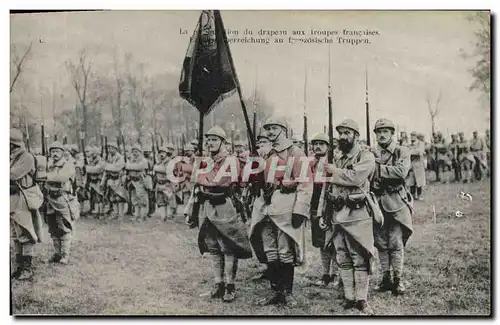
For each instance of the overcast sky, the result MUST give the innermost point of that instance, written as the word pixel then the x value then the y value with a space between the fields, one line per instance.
pixel 415 53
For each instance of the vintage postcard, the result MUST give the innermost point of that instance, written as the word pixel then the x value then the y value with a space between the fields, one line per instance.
pixel 250 163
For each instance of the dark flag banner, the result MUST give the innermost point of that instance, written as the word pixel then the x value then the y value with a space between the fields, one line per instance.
pixel 207 76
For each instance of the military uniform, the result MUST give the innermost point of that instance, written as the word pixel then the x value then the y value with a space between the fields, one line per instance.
pixel 443 159
pixel 222 233
pixel 478 149
pixel 416 176
pixel 62 207
pixel 25 199
pixel 454 148
pixel 351 232
pixel 95 170
pixel 165 190
pixel 138 183
pixel 277 219
pixel 393 165
pixel 328 256
pixel 466 159
pixel 112 182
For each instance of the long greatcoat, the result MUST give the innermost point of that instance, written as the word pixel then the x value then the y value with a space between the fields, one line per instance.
pixel 22 169
pixel 283 205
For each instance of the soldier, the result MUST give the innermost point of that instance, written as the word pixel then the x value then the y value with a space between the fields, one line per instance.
pixel 278 215
pixel 264 145
pixel 165 190
pixel 137 183
pixel 416 176
pixel 443 158
pixel 478 148
pixel 421 138
pixel 297 141
pixel 186 168
pixel 61 212
pixel 392 166
pixel 403 140
pixel 241 153
pixel 351 231
pixel 453 154
pixel 320 143
pixel 25 199
pixel 95 170
pixel 112 183
pixel 222 233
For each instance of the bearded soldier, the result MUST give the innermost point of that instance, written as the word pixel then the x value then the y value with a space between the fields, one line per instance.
pixel 329 265
pixel 279 213
pixel 61 213
pixel 351 232
pixel 112 182
pixel 137 184
pixel 95 170
pixel 393 163
pixel 416 176
pixel 222 233
pixel 165 189
pixel 25 199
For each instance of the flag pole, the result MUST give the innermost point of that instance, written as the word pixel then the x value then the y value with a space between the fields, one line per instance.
pixel 236 81
pixel 368 142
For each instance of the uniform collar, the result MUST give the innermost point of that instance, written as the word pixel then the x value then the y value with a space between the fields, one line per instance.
pixel 282 145
pixel 390 148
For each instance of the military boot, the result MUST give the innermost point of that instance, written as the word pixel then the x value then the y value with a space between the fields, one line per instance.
pixel 276 295
pixel 217 291
pixel 65 248
pixel 230 294
pixel 56 257
pixel 364 307
pixel 26 270
pixel 288 275
pixel 398 288
pixel 385 284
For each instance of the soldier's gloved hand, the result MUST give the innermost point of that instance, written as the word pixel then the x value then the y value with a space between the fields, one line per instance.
pixel 297 220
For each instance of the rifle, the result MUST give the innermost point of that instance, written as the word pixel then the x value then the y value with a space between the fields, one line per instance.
pixel 85 161
pixel 102 145
pixel 306 145
pixel 129 205
pixel 27 136
pixel 326 221
pixel 367 104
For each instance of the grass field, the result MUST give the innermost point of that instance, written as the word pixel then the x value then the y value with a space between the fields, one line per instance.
pixel 154 268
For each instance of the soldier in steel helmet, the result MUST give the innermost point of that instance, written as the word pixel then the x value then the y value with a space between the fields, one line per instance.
pixel 61 208
pixel 392 166
pixel 165 189
pixel 416 175
pixel 279 213
pixel 112 182
pixel 344 214
pixel 330 271
pixel 138 184
pixel 25 200
pixel 95 170
pixel 222 233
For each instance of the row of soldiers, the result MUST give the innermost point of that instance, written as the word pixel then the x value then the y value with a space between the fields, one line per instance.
pixel 360 206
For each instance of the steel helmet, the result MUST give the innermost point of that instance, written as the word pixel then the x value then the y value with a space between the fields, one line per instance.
pixel 321 137
pixel 239 143
pixel 297 138
pixel 136 147
pixel 350 124
pixel 273 120
pixel 56 145
pixel 113 144
pixel 384 123
pixel 218 132
pixel 189 147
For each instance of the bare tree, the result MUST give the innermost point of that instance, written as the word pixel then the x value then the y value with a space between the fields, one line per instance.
pixel 433 111
pixel 80 75
pixel 17 62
